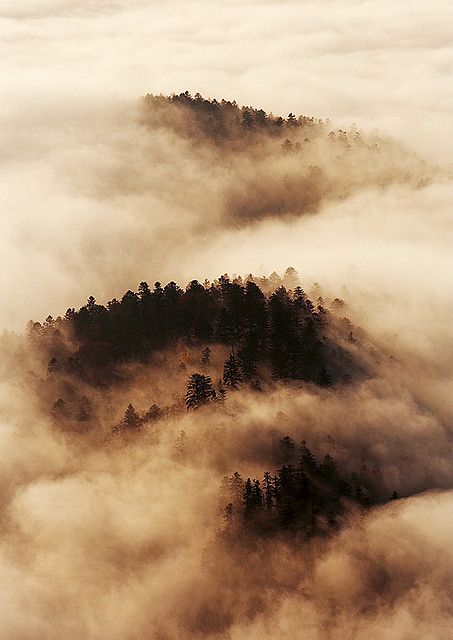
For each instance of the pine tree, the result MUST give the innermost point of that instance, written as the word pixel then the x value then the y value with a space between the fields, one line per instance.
pixel 131 418
pixel 329 469
pixel 221 392
pixel 269 490
pixel 85 409
pixel 247 356
pixel 206 356
pixel 248 499
pixel 153 413
pixel 228 516
pixel 287 146
pixel 288 448
pixel 199 391
pixel 232 374
pixel 247 119
pixel 236 488
pixel 307 459
pixel 180 446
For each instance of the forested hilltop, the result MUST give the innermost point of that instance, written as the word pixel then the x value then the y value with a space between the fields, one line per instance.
pixel 281 334
pixel 187 370
pixel 207 344
pixel 225 122
pixel 279 166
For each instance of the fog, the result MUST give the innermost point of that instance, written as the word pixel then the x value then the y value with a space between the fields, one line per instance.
pixel 110 536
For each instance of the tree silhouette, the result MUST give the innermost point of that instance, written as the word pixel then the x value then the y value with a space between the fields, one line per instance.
pixel 282 329
pixel 305 497
pixel 206 356
pixel 131 418
pixel 221 392
pixel 153 413
pixel 180 446
pixel 199 391
pixel 232 374
pixel 247 119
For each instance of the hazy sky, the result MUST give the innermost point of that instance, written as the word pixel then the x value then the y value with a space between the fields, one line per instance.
pixel 377 63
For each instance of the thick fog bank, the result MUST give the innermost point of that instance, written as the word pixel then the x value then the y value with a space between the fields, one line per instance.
pixel 111 535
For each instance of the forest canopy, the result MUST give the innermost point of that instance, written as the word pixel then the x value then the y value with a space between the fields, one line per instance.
pixel 279 166
pixel 281 332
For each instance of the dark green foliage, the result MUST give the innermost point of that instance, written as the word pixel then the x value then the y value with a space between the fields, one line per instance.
pixel 199 391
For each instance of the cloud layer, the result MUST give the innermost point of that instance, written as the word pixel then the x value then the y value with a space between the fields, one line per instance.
pixel 101 538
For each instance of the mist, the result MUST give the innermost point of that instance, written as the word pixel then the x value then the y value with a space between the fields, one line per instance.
pixel 106 532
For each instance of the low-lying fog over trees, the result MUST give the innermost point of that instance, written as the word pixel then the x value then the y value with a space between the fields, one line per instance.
pixel 226 347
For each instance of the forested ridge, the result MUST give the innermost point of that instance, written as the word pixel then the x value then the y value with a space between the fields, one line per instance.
pixel 233 333
pixel 283 331
pixel 304 496
pixel 210 341
pixel 274 166
pixel 226 364
pixel 224 121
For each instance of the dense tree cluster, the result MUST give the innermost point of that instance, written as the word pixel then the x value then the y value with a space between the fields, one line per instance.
pixel 277 166
pixel 303 496
pixel 222 121
pixel 282 331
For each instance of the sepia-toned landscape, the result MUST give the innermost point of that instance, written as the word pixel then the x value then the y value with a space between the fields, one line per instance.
pixel 226 348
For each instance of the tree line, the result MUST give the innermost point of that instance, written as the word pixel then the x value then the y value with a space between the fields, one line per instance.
pixel 282 330
pixel 221 121
pixel 304 496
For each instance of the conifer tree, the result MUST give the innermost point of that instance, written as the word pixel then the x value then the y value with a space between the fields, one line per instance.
pixel 180 446
pixel 307 459
pixel 153 413
pixel 228 516
pixel 288 448
pixel 131 418
pixel 268 490
pixel 206 356
pixel 232 374
pixel 199 391
pixel 221 392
